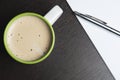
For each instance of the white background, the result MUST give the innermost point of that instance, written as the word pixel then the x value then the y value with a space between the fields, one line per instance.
pixel 107 43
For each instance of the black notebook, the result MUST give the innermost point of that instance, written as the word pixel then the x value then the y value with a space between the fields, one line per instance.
pixel 74 56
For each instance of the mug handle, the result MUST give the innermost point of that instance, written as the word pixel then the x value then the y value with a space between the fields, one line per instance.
pixel 54 14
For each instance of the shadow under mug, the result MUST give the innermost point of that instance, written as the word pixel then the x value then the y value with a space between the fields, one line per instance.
pixel 50 18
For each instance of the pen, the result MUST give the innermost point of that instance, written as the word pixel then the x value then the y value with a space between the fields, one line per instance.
pixel 98 22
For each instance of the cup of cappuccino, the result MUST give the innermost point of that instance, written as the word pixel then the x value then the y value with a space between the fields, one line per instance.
pixel 29 38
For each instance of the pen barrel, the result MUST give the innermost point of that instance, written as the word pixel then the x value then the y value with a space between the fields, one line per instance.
pixel 115 31
pixel 97 22
pixel 111 29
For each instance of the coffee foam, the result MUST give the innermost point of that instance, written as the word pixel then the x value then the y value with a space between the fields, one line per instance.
pixel 29 38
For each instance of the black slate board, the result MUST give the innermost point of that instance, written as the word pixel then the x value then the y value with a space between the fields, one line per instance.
pixel 74 56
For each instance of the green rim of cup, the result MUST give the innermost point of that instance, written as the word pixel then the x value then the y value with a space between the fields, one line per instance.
pixel 10 52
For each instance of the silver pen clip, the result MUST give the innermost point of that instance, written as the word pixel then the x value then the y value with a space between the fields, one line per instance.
pixel 91 17
pixel 95 19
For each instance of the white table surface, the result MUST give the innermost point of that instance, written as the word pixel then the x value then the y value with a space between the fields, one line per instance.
pixel 107 43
